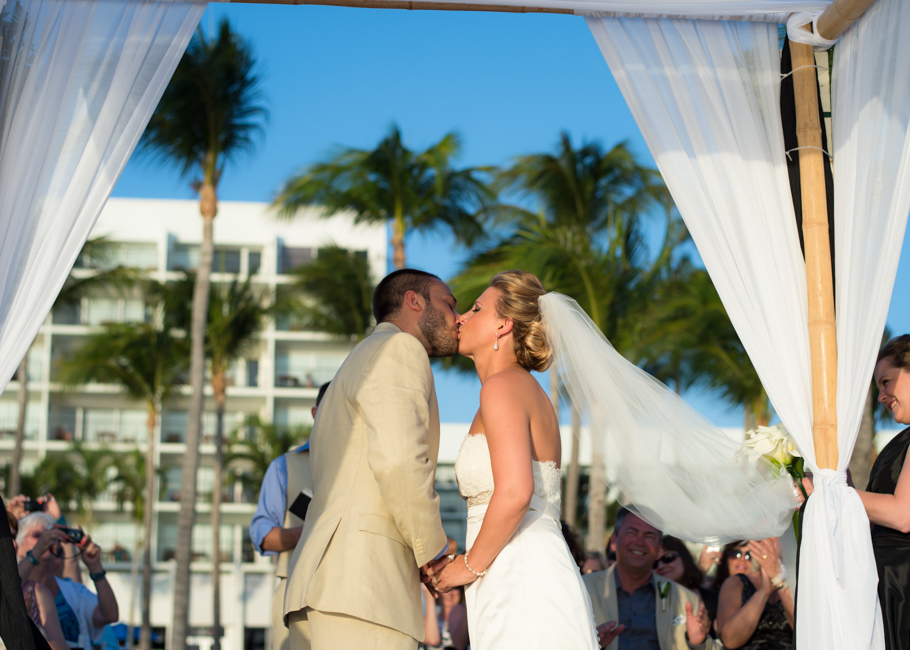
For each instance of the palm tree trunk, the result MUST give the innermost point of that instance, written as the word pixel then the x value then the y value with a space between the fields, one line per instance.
pixel 185 519
pixel 145 636
pixel 571 514
pixel 398 227
pixel 15 476
pixel 218 386
pixel 861 460
pixel 597 504
pixel 134 582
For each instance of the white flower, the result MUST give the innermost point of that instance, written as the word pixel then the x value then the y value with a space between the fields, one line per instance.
pixel 772 444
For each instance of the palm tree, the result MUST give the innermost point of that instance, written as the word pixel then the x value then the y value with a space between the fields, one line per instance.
pixel 148 363
pixel 210 113
pixel 337 294
pixel 587 241
pixel 262 442
pixel 235 320
pixel 393 184
pixel 75 288
pixel 129 484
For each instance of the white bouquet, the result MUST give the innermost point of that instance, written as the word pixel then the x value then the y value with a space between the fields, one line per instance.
pixel 774 447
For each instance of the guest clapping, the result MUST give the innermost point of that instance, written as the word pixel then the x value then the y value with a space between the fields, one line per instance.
pixel 677 564
pixel 755 606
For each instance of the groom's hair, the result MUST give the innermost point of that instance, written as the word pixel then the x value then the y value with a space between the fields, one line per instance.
pixel 389 295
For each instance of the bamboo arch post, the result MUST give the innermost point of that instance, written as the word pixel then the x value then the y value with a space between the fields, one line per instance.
pixel 819 279
pixel 833 22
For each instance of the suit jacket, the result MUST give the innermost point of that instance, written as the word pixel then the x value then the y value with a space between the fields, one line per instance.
pixel 670 620
pixel 374 519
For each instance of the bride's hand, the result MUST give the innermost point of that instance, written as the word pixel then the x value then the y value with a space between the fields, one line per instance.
pixel 455 574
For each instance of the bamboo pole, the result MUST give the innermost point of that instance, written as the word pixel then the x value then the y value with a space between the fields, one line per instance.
pixel 820 283
pixel 839 15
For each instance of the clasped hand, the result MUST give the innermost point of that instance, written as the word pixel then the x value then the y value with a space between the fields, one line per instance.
pixel 446 573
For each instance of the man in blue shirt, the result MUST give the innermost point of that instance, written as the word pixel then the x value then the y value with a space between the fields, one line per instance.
pixel 636 609
pixel 277 524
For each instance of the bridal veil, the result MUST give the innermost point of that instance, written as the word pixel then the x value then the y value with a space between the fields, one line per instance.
pixel 677 468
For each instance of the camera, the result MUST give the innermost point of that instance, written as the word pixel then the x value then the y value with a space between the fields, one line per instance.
pixel 30 505
pixel 74 534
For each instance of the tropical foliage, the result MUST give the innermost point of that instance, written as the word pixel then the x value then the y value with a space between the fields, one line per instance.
pixel 332 294
pixel 148 364
pixel 410 190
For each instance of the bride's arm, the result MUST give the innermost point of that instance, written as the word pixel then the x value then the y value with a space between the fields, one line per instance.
pixel 504 414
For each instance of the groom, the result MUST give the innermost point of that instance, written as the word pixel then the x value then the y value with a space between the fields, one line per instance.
pixel 373 524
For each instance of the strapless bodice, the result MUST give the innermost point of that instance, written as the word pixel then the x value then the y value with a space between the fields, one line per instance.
pixel 474 474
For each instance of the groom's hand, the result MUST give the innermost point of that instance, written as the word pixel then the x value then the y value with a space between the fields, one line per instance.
pixel 431 569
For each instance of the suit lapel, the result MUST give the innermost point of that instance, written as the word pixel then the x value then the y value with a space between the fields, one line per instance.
pixel 611 598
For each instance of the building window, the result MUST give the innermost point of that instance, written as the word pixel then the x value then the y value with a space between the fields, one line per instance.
pixel 173 426
pixel 99 425
pixel 9 419
pixel 62 425
pixel 226 261
pixel 254 262
pixel 291 258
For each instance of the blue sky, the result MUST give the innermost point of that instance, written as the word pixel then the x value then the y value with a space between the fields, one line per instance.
pixel 508 83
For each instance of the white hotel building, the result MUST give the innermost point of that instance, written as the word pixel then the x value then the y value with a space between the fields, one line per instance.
pixel 278 381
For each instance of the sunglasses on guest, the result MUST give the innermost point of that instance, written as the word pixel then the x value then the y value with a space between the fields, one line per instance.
pixel 666 558
pixel 737 553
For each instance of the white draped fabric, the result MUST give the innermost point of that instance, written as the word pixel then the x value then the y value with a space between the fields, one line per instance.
pixel 78 84
pixel 705 96
pixel 871 128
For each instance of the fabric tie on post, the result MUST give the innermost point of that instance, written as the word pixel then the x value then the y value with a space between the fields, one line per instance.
pixel 837 570
pixel 796 32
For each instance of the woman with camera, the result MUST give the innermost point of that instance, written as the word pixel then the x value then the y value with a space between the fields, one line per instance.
pixel 82 614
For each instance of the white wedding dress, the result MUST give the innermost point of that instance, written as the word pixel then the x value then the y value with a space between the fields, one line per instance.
pixel 532 595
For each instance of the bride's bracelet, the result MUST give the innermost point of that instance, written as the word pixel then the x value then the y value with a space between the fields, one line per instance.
pixel 479 575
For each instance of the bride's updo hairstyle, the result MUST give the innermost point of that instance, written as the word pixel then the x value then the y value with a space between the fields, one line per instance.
pixel 520 291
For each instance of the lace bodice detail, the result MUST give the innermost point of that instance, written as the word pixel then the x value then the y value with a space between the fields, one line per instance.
pixel 474 474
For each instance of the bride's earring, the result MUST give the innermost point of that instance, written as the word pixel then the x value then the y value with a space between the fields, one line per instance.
pixel 496 344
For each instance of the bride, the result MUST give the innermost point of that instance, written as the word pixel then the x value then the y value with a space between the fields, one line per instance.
pixel 523 590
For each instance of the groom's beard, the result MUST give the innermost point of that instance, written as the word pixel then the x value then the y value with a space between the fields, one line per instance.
pixel 443 340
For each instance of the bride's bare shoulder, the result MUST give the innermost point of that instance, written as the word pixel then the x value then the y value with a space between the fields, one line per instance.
pixel 507 381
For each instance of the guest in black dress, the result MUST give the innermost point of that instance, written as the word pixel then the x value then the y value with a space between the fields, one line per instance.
pixel 887 498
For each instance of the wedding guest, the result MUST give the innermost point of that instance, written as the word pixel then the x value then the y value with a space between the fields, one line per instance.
pixel 636 605
pixel 20 506
pixel 575 547
pixel 755 606
pixel 432 636
pixel 81 613
pixel 39 603
pixel 887 497
pixel 676 564
pixel 453 620
pixel 277 523
pixel 610 549
pixel 594 561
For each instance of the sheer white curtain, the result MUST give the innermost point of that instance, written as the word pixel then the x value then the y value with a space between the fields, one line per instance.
pixel 705 96
pixel 78 83
pixel 871 125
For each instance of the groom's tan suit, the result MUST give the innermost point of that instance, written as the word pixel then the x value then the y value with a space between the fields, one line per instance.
pixel 374 519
